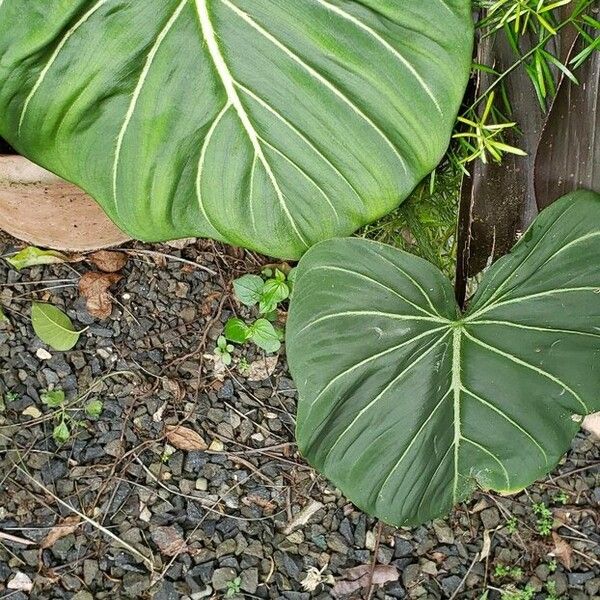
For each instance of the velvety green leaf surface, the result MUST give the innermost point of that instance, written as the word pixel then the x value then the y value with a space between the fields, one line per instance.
pixel 407 405
pixel 266 123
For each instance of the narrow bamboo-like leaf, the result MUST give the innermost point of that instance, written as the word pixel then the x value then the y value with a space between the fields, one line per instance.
pixel 271 125
pixel 568 155
pixel 53 326
pixel 407 405
pixel 498 199
pixel 32 256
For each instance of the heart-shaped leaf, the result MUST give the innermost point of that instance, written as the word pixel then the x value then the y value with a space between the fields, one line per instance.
pixel 407 405
pixel 270 125
pixel 53 326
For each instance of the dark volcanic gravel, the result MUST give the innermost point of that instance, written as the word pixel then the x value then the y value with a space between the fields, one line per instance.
pixel 246 518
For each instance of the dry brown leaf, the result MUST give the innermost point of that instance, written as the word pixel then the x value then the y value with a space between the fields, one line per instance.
pixel 303 517
pixel 360 578
pixel 182 243
pixel 592 424
pixel 487 545
pixel 169 541
pixel 94 288
pixel 207 307
pixel 268 506
pixel 562 551
pixel 184 438
pixel 262 369
pixel 63 529
pixel 107 261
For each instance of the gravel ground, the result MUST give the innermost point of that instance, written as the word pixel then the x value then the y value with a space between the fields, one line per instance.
pixel 120 511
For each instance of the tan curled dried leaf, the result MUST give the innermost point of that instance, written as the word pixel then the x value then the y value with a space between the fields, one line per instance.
pixel 303 517
pixel 262 369
pixel 169 541
pixel 94 287
pixel 63 529
pixel 109 261
pixel 184 438
pixel 562 551
pixel 360 578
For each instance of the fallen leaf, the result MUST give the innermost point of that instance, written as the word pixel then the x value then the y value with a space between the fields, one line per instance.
pixel 20 582
pixel 487 546
pixel 360 578
pixel 32 256
pixel 107 261
pixel 262 369
pixel 314 578
pixel 592 424
pixel 303 517
pixel 169 541
pixel 182 243
pixel 63 529
pixel 94 288
pixel 53 327
pixel 209 303
pixel 267 505
pixel 184 438
pixel 562 551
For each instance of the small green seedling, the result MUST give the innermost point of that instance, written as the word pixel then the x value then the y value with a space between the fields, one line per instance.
pixel 10 397
pixel 552 566
pixel 545 520
pixel 515 594
pixel 65 423
pixel 561 497
pixel 508 572
pixel 243 366
pixel 53 398
pixel 233 587
pixel 223 350
pixel 552 593
pixel 263 333
pixel 56 399
pixel 264 293
pixel 94 408
pixel 512 525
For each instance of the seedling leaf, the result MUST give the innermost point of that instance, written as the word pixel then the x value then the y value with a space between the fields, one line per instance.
pixel 237 331
pixel 265 336
pixel 248 289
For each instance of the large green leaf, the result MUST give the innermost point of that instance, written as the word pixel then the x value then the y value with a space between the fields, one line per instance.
pixel 407 405
pixel 270 124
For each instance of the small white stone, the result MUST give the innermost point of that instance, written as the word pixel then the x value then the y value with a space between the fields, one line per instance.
pixel 33 412
pixel 43 354
pixel 20 582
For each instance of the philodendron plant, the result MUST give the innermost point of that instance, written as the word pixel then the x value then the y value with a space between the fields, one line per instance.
pixel 267 124
pixel 409 405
